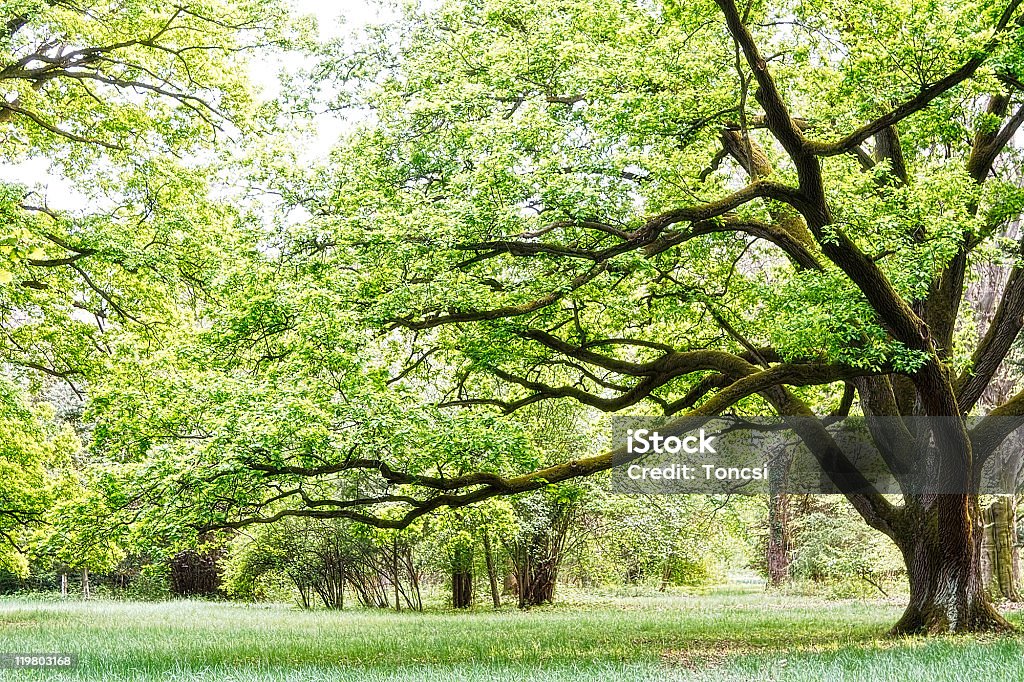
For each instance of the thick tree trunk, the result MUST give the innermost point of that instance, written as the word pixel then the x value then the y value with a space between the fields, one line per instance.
pixel 462 577
pixel 196 573
pixel 941 547
pixel 537 583
pixel 999 555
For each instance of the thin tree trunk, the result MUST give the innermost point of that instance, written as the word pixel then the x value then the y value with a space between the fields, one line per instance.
pixel 86 591
pixel 492 573
pixel 414 581
pixel 64 585
pixel 398 604
pixel 303 588
pixel 777 549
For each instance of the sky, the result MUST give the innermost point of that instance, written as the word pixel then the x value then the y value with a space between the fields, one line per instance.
pixel 330 15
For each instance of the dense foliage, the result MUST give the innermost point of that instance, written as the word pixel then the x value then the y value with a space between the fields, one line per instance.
pixel 539 214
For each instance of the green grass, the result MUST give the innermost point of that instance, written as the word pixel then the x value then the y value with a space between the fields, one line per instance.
pixel 723 635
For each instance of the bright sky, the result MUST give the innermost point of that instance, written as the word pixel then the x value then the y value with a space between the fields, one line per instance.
pixel 339 17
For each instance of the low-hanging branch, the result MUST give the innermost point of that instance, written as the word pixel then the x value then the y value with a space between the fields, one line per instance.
pixel 458 491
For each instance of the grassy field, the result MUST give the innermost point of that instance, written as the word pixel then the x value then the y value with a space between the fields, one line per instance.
pixel 723 635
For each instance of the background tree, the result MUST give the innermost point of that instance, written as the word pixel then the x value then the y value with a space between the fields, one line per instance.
pixel 833 548
pixel 465 540
pixel 76 537
pixel 33 451
pixel 671 541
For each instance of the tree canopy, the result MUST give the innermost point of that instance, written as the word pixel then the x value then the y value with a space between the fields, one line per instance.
pixel 542 212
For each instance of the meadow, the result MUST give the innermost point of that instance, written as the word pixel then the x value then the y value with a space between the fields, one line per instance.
pixel 733 634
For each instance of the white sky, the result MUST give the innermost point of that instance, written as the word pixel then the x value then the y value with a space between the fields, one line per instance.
pixel 332 15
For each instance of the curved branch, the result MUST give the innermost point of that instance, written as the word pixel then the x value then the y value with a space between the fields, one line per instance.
pixel 436 320
pixel 919 101
pixel 490 485
pixel 992 350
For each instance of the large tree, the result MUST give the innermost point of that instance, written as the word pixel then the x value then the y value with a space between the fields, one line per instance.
pixel 685 206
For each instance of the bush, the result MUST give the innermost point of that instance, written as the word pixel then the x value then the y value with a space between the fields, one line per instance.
pixel 833 547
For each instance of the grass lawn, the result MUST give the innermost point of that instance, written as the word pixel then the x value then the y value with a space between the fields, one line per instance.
pixel 722 635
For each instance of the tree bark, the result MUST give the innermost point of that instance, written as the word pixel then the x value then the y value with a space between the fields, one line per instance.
pixel 1000 560
pixel 777 549
pixel 492 573
pixel 536 580
pixel 462 589
pixel 396 576
pixel 462 576
pixel 196 573
pixel 86 590
pixel 940 542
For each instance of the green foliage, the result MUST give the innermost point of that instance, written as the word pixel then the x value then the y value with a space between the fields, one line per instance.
pixel 321 559
pixel 470 276
pixel 833 547
pixel 33 452
pixel 674 540
pixel 128 105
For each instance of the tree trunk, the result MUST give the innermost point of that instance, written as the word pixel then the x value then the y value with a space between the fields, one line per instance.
pixel 777 549
pixel 64 585
pixel 415 601
pixel 492 573
pixel 304 592
pixel 196 573
pixel 396 575
pixel 779 544
pixel 86 591
pixel 999 556
pixel 941 547
pixel 462 589
pixel 536 580
pixel 666 573
pixel 462 576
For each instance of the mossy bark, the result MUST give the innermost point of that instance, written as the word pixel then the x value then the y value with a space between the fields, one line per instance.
pixel 941 547
pixel 1000 558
